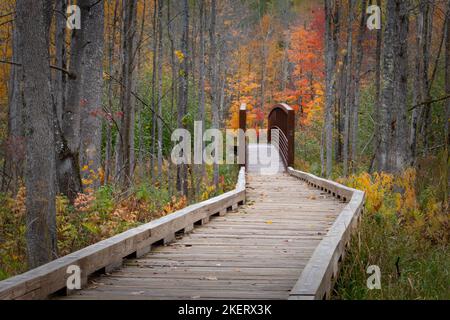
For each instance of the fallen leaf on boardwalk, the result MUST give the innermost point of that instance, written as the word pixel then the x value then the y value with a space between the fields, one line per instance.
pixel 210 278
pixel 313 198
pixel 269 222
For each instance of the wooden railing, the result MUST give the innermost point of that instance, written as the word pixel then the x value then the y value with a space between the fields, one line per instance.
pixel 104 256
pixel 318 277
pixel 280 141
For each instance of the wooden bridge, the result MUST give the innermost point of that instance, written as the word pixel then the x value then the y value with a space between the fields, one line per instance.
pixel 276 236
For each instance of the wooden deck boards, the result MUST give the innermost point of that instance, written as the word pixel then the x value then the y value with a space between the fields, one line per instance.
pixel 257 252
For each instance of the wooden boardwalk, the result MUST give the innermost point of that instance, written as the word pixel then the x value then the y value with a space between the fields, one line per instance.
pixel 280 234
pixel 256 252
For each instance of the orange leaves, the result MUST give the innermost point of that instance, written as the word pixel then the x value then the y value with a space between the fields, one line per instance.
pixel 306 54
pixel 261 64
pixel 253 114
pixel 266 24
pixel 175 205
pixel 83 202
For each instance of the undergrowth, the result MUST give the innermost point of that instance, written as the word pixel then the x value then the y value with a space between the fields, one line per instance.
pixel 405 231
pixel 94 216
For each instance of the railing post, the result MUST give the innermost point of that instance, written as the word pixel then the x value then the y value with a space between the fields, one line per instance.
pixel 242 153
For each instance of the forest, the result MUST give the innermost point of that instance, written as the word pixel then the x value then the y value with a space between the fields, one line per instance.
pixel 92 90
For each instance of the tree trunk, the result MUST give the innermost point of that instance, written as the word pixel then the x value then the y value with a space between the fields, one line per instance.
pixel 348 97
pixel 154 78
pixel 399 157
pixel 109 120
pixel 40 178
pixel 13 167
pixel 200 169
pixel 160 89
pixel 126 102
pixel 92 93
pixel 378 80
pixel 213 77
pixel 447 90
pixel 60 78
pixel 173 92
pixel 426 8
pixel 182 174
pixel 331 8
pixel 387 94
pixel 69 179
pixel 357 84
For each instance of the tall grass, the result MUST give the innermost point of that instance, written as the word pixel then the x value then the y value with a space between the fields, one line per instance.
pixel 405 231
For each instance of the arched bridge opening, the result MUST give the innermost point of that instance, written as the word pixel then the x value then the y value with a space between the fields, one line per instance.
pixel 281 122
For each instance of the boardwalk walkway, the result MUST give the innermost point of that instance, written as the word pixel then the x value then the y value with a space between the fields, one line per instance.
pixel 280 234
pixel 256 252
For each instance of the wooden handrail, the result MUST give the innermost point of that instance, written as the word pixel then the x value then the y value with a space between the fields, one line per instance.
pixel 317 279
pixel 282 146
pixel 42 282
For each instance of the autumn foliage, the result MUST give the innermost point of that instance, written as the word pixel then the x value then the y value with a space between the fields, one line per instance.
pixel 291 71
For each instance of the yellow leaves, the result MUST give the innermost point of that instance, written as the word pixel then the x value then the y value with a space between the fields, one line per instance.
pixel 376 187
pixel 396 197
pixel 180 55
pixel 208 192
pixel 91 176
pixel 270 222
pixel 87 182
